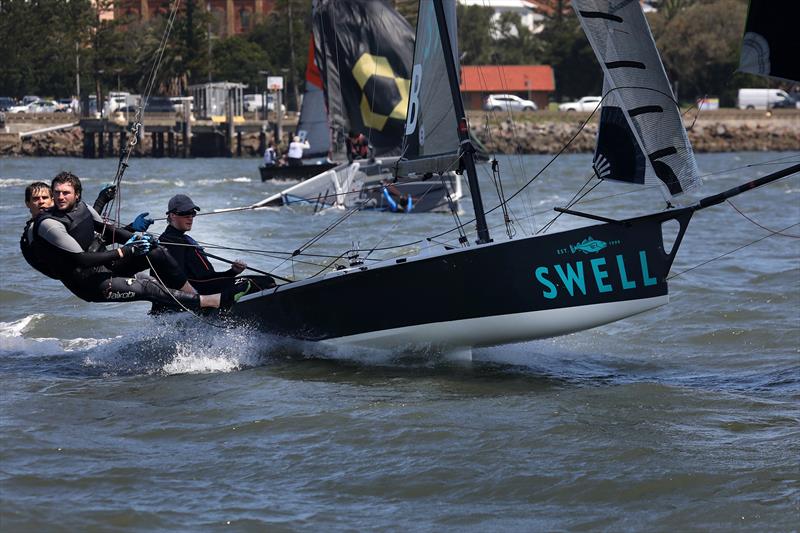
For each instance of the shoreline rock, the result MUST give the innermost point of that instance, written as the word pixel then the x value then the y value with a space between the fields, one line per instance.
pixel 503 137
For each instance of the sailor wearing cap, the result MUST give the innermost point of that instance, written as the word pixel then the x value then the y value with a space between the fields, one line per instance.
pixel 181 211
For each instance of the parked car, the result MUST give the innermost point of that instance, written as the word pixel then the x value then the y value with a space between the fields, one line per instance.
pixel 29 98
pixel 38 106
pixel 45 106
pixel 508 102
pixel 21 108
pixel 155 104
pixel 762 98
pixel 587 103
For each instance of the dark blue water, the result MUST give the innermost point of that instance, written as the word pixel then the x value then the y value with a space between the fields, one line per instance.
pixel 683 418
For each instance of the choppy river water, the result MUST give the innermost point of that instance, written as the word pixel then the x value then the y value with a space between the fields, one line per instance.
pixel 683 418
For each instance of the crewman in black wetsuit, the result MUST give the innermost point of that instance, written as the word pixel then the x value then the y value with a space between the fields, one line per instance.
pixel 68 243
pixel 193 261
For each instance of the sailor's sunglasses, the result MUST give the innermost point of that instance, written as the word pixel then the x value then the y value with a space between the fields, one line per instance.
pixel 191 213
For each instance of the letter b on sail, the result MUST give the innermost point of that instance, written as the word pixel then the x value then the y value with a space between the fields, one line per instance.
pixel 413 103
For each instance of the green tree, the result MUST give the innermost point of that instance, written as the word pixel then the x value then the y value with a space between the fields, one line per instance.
pixel 700 48
pixel 574 64
pixel 474 34
pixel 274 38
pixel 237 59
pixel 38 45
pixel 516 44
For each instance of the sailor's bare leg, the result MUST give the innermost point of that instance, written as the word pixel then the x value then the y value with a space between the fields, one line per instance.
pixel 209 300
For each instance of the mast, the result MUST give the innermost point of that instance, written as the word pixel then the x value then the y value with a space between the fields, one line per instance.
pixel 467 149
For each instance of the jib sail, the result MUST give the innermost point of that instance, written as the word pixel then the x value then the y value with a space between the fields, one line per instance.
pixel 431 139
pixel 642 106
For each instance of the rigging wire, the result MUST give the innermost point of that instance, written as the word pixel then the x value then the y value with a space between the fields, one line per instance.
pixel 574 200
pixel 772 233
pixel 761 226
pixel 125 154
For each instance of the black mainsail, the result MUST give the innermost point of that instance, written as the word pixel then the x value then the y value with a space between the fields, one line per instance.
pixel 364 49
pixel 769 46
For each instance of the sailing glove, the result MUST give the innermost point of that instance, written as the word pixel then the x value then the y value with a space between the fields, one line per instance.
pixel 137 245
pixel 108 192
pixel 141 222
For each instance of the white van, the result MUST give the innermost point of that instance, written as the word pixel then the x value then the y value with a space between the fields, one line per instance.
pixel 761 98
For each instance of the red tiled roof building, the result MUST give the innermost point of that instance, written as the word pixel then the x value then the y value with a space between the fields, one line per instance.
pixel 533 82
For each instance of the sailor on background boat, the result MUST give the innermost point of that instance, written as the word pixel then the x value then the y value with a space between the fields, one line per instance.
pixel 270 156
pixel 67 242
pixel 295 153
pixel 357 146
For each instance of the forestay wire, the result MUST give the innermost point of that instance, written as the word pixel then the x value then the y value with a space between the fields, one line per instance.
pixel 136 127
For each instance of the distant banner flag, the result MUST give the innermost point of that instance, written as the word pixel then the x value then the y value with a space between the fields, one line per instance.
pixel 364 49
pixel 769 46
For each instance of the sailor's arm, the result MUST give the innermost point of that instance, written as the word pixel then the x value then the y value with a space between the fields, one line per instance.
pixel 56 234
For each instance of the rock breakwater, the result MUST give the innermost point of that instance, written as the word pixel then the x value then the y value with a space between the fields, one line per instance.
pixel 508 137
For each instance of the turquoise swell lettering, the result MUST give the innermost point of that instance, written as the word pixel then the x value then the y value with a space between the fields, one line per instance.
pixel 623 275
pixel 645 271
pixel 551 291
pixel 600 275
pixel 571 278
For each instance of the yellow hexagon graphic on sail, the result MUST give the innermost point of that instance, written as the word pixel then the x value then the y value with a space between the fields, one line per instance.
pixel 377 69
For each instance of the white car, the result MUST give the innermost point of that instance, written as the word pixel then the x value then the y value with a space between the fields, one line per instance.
pixel 46 106
pixel 39 106
pixel 587 103
pixel 508 102
pixel 23 108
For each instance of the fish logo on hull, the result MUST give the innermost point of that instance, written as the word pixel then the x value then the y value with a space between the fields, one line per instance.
pixel 588 246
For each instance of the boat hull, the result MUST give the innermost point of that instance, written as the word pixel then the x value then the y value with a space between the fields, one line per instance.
pixel 492 294
pixel 300 172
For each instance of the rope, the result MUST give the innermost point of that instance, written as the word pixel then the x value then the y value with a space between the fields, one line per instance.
pixel 779 232
pixel 202 319
pixel 577 197
pixel 760 226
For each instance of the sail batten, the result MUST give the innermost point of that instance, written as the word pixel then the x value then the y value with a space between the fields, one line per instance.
pixel 626 64
pixel 643 110
pixel 636 111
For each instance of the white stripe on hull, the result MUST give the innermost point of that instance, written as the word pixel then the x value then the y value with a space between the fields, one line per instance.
pixel 502 329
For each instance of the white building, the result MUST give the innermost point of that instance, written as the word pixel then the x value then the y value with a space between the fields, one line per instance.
pixel 526 10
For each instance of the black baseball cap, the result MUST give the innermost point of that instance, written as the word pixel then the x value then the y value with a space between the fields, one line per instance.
pixel 180 203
